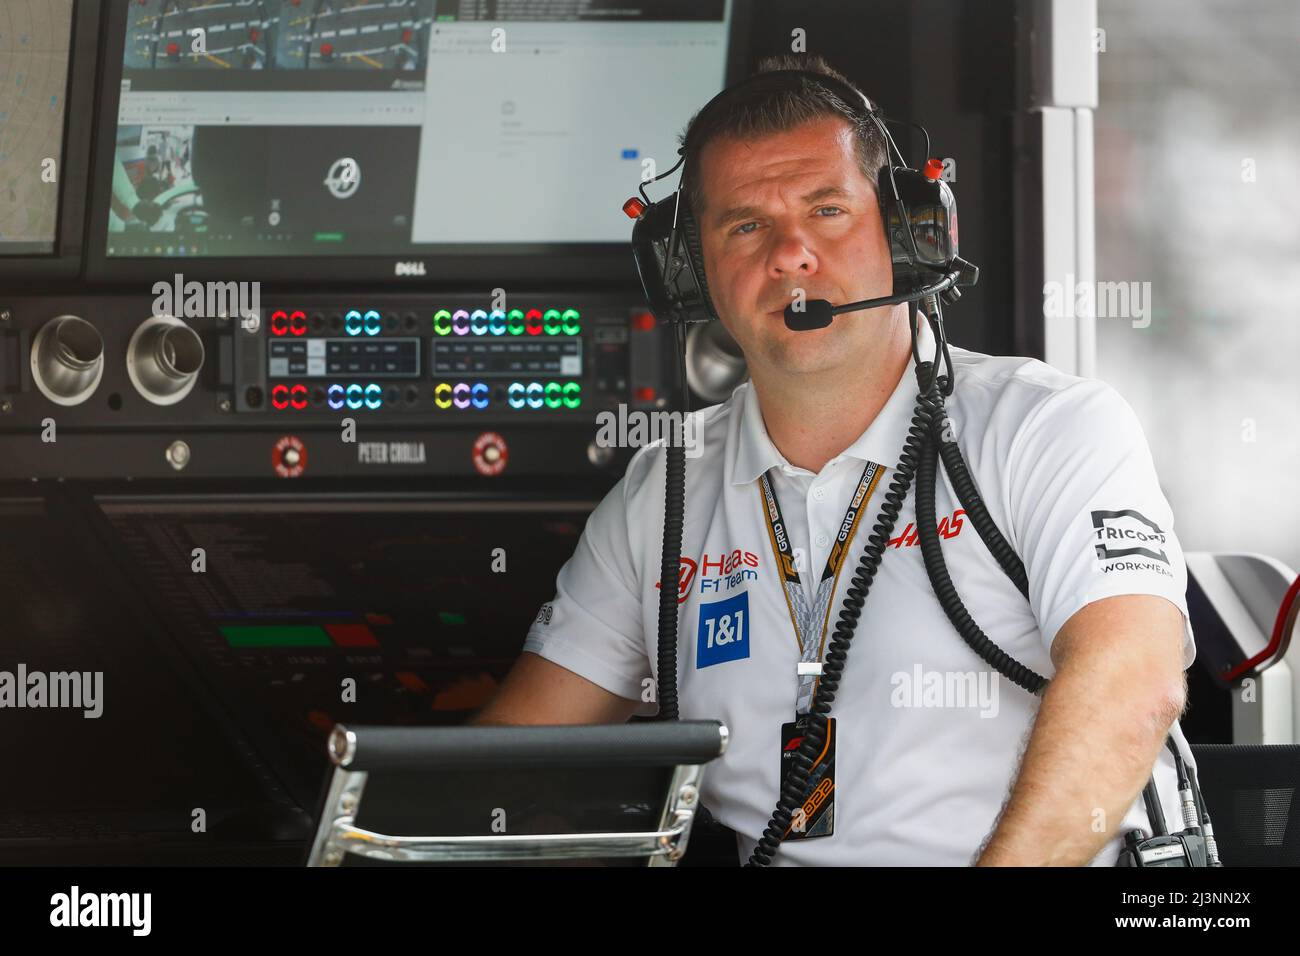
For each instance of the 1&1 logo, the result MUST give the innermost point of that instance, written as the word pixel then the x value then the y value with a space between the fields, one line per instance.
pixel 723 634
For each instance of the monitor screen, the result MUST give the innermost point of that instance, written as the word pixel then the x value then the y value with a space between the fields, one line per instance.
pixel 398 127
pixel 35 36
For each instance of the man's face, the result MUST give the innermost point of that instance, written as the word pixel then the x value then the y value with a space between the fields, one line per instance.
pixel 793 211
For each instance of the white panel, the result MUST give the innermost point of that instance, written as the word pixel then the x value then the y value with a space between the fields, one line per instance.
pixel 1060 348
pixel 1268 717
pixel 1073 67
pixel 1085 241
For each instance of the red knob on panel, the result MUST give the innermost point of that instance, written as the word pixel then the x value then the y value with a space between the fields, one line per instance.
pixel 933 170
pixel 634 207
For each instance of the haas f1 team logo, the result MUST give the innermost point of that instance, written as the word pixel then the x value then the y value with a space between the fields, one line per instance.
pixel 718 573
pixel 948 527
pixel 685 575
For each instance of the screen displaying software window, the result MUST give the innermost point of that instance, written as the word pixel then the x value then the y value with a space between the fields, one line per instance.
pixel 327 127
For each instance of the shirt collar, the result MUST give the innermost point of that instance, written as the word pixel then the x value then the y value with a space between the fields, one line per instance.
pixel 882 442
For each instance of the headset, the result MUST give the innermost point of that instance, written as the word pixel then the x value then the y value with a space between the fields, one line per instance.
pixel 919 214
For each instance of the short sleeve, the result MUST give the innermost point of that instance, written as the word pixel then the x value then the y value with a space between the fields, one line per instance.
pixel 1090 519
pixel 593 625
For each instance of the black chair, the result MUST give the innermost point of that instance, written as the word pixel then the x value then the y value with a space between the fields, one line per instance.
pixel 1252 792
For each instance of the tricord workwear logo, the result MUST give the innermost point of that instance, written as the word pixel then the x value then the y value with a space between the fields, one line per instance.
pixel 1127 534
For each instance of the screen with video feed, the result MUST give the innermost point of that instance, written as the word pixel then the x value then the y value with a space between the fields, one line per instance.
pixel 398 127
pixel 35 36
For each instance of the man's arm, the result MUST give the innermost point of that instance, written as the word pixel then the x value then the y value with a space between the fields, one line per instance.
pixel 537 691
pixel 1118 688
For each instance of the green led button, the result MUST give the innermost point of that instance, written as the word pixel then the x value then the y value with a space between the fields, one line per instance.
pixel 572 394
pixel 570 321
pixel 515 322
pixel 551 321
pixel 274 635
pixel 442 322
pixel 553 395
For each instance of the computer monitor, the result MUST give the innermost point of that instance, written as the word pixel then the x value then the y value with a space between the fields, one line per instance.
pixel 42 156
pixel 395 138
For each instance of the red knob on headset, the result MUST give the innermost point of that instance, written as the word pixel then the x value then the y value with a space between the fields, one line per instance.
pixel 933 170
pixel 634 207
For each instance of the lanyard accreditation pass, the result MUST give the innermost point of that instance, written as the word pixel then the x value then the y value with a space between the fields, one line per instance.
pixel 816 816
pixel 810 620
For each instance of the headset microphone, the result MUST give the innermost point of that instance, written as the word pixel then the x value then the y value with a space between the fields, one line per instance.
pixel 815 314
pixel 818 313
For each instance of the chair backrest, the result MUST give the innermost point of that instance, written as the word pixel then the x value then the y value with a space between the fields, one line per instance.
pixel 1252 793
pixel 446 795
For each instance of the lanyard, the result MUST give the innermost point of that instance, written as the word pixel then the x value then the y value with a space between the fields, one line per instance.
pixel 803 615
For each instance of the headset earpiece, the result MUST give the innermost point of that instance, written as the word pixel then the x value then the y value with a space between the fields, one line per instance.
pixel 671 266
pixel 690 229
pixel 921 224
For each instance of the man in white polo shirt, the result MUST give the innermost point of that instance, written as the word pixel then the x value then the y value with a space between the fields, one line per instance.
pixel 938 759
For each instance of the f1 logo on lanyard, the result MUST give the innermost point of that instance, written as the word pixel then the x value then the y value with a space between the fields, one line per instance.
pixel 816 816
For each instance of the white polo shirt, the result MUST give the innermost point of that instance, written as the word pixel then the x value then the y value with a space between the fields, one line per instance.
pixel 929 736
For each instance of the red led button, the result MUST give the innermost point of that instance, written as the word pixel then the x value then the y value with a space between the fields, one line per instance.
pixel 489 454
pixel 933 170
pixel 643 321
pixel 289 456
pixel 645 393
pixel 634 207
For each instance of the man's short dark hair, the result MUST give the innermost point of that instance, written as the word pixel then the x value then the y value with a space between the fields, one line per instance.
pixel 776 111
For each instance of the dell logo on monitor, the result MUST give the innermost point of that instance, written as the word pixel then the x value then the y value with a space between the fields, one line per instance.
pixel 414 268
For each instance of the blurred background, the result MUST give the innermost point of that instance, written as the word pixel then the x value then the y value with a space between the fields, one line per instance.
pixel 1197 130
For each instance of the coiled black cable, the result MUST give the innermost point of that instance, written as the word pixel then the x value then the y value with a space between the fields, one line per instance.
pixel 919 459
pixel 671 555
pixel 921 452
pixel 796 781
pixel 669 573
pixel 937 569
pixel 955 465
